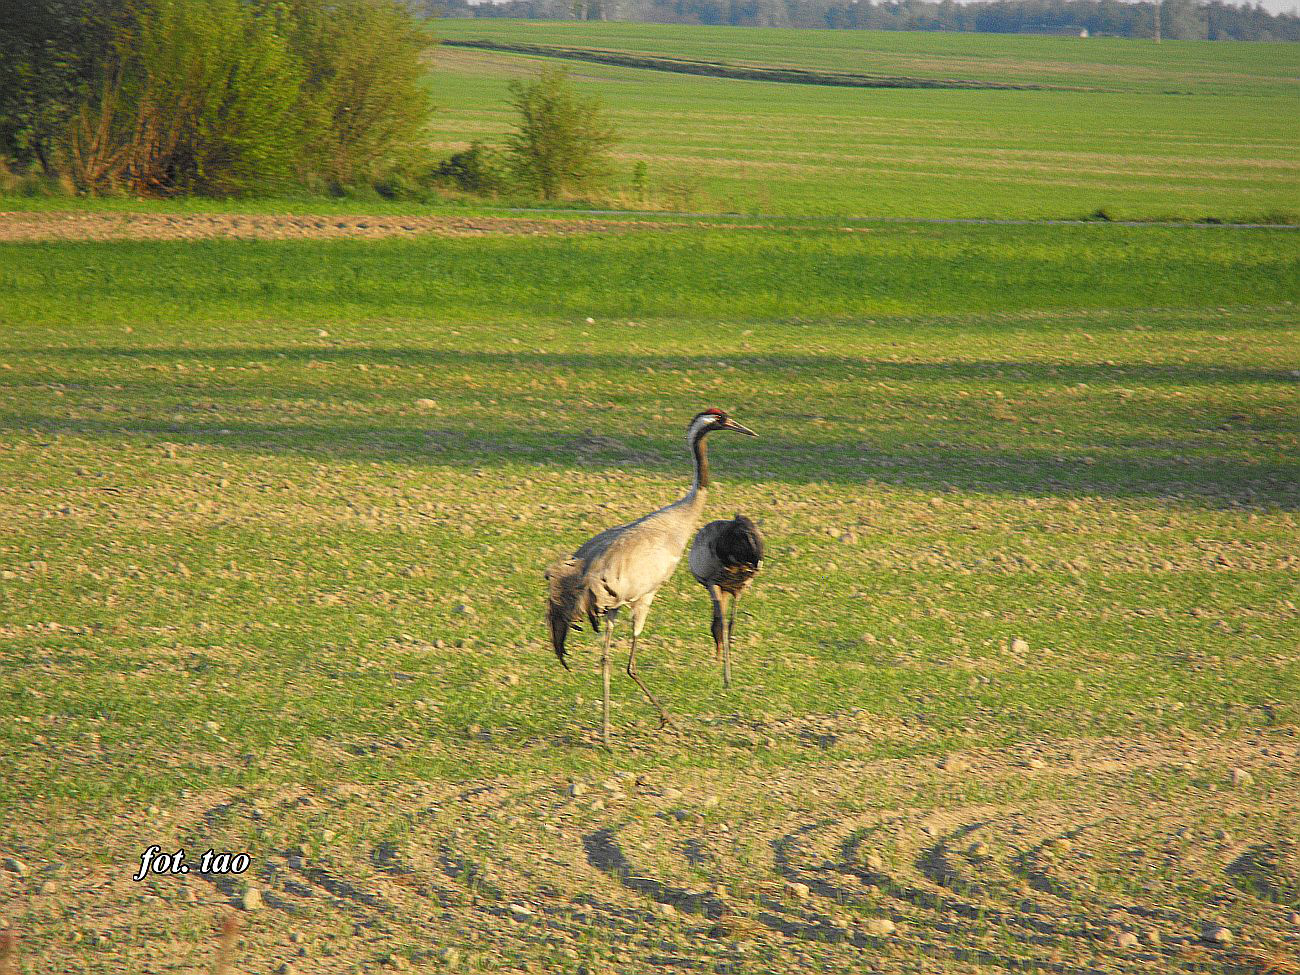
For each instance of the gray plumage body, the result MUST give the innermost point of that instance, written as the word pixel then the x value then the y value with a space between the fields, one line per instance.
pixel 628 565
pixel 623 566
pixel 725 557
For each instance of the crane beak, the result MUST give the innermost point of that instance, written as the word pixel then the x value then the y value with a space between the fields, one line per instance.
pixel 731 424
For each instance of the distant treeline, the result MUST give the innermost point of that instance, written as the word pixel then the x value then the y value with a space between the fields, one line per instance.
pixel 1181 19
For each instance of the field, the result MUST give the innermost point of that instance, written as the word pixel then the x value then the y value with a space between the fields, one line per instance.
pixel 1184 129
pixel 1016 690
pixel 1103 63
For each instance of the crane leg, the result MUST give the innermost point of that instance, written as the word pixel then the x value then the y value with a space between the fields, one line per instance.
pixel 726 652
pixel 719 626
pixel 604 674
pixel 664 719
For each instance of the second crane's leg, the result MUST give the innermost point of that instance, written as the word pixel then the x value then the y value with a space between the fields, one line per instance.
pixel 718 627
pixel 638 621
pixel 604 676
pixel 726 650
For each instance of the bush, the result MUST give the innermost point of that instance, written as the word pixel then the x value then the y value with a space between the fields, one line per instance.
pixel 365 98
pixel 478 169
pixel 212 92
pixel 563 141
pixel 33 183
pixel 50 52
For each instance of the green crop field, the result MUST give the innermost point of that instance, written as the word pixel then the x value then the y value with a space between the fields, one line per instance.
pixel 1181 130
pixel 1106 63
pixel 1016 690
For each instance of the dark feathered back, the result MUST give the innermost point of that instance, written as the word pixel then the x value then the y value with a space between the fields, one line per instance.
pixel 739 543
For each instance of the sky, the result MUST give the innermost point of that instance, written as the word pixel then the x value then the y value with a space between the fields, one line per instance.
pixel 1272 6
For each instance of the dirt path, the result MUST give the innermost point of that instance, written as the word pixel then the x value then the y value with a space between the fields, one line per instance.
pixel 17 226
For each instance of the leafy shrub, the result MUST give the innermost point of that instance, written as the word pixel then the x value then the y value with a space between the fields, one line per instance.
pixel 640 180
pixel 212 91
pixel 563 140
pixel 478 169
pixel 365 99
pixel 50 52
pixel 33 183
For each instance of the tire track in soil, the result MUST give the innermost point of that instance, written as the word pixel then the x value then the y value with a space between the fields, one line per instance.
pixel 936 864
pixel 1007 888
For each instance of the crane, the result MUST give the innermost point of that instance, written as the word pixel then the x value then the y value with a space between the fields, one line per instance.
pixel 725 557
pixel 627 566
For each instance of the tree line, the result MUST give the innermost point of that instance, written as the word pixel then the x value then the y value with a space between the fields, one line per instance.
pixel 166 97
pixel 1181 19
pixel 237 97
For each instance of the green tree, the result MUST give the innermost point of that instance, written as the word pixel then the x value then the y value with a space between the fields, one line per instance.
pixel 563 140
pixel 210 93
pixel 163 96
pixel 218 96
pixel 365 94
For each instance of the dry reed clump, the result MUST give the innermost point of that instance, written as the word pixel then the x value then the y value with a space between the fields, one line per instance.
pixel 8 953
pixel 227 940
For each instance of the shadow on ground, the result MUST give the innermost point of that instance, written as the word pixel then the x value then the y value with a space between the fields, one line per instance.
pixel 848 428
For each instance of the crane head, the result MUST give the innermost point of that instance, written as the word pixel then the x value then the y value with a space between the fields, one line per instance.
pixel 716 419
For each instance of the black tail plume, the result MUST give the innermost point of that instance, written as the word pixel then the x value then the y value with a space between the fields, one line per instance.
pixel 563 603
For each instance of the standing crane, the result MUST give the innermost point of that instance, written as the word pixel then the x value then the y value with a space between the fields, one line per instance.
pixel 725 557
pixel 626 566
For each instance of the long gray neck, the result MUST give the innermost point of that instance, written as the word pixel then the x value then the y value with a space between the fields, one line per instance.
pixel 700 449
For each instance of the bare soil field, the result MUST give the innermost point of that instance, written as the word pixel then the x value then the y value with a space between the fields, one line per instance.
pixel 1047 858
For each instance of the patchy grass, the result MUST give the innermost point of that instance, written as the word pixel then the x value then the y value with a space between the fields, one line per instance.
pixel 273 527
